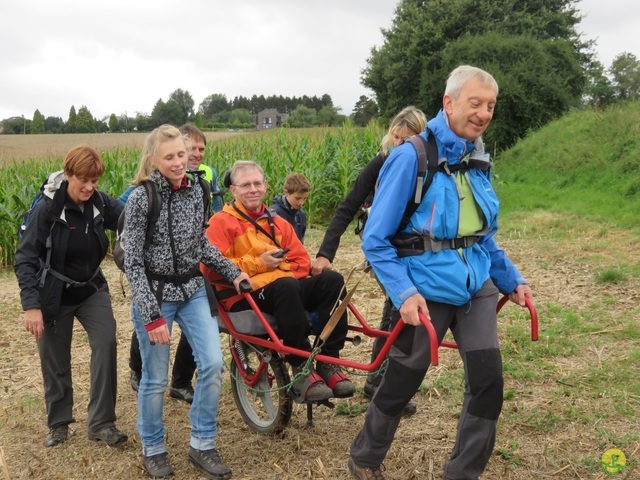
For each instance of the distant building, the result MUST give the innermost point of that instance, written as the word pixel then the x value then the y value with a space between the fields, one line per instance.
pixel 270 118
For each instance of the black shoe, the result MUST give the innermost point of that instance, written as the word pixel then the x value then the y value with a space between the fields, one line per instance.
pixel 410 408
pixel 184 394
pixel 57 435
pixel 158 466
pixel 369 389
pixel 109 435
pixel 135 381
pixel 210 462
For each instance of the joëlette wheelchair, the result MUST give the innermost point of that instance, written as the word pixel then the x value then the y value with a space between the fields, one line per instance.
pixel 260 379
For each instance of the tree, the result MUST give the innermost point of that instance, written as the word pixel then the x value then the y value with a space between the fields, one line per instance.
pixel 410 67
pixel 599 91
pixel 327 116
pixel 364 110
pixel 241 102
pixel 37 125
pixel 101 125
pixel 113 123
pixel 84 121
pixel 258 103
pixel 16 126
pixel 197 121
pixel 625 71
pixel 240 116
pixel 302 117
pixel 142 122
pixel 53 125
pixel 214 103
pixel 70 127
pixel 185 101
pixel 534 78
pixel 170 112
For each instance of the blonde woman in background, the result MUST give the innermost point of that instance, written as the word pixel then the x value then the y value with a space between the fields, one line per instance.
pixel 410 121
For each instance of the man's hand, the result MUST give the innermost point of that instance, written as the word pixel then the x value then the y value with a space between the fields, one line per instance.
pixel 33 322
pixel 410 308
pixel 319 264
pixel 270 261
pixel 520 293
pixel 160 335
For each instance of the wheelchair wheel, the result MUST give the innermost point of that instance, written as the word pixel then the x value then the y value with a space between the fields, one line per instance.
pixel 265 407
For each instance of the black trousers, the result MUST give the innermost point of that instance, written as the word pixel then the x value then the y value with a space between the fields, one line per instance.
pixel 96 317
pixel 287 299
pixel 184 365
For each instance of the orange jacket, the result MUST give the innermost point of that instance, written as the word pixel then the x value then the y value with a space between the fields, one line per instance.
pixel 242 243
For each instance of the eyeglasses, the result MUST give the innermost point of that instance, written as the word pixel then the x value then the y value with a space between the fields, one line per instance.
pixel 248 185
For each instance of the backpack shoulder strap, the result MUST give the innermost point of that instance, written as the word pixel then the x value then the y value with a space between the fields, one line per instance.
pixel 427 152
pixel 154 208
pixel 206 192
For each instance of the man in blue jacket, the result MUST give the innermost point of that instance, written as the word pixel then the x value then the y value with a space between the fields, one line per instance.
pixel 452 274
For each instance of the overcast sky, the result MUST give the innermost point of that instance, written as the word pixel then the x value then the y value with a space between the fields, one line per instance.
pixel 122 56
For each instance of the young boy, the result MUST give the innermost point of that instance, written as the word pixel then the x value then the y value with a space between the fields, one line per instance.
pixel 289 206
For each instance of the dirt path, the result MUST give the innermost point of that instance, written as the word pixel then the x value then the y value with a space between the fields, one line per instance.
pixel 562 274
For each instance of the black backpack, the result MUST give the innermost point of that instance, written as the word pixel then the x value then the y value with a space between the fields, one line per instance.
pixel 428 163
pixel 100 204
pixel 427 151
pixel 25 216
pixel 155 203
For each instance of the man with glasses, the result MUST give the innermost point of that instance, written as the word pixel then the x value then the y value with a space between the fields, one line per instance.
pixel 266 247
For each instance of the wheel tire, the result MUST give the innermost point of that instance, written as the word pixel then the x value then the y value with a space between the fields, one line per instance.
pixel 267 408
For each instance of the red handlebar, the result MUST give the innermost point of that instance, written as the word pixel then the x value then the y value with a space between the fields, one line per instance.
pixel 433 338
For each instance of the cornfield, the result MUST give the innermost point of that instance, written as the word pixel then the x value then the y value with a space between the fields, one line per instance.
pixel 330 158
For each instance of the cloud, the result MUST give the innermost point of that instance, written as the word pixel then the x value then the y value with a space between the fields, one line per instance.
pixel 122 56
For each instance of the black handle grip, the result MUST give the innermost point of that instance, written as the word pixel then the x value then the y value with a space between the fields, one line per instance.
pixel 245 286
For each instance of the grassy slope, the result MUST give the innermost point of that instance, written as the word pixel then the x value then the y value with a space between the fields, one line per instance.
pixel 584 164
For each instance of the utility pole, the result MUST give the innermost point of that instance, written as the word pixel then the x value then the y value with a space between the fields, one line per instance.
pixel 24 125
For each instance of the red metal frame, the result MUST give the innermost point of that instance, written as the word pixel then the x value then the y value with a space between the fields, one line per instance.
pixel 274 343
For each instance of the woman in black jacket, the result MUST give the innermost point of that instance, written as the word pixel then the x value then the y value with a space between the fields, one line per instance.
pixel 58 268
pixel 410 121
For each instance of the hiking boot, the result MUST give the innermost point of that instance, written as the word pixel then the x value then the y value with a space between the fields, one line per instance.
pixel 336 380
pixel 57 435
pixel 158 466
pixel 135 380
pixel 370 389
pixel 184 394
pixel 210 462
pixel 366 473
pixel 310 388
pixel 109 435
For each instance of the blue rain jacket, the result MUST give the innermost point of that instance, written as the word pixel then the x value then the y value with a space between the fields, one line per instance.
pixel 445 276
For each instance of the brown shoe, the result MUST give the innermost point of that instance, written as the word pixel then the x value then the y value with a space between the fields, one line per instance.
pixel 109 435
pixel 366 473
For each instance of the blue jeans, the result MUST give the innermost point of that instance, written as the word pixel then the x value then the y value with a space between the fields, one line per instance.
pixel 194 318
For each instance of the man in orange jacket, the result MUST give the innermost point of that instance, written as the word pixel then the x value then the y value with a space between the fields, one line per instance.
pixel 265 246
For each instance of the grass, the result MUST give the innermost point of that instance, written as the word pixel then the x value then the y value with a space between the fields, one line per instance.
pixel 583 165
